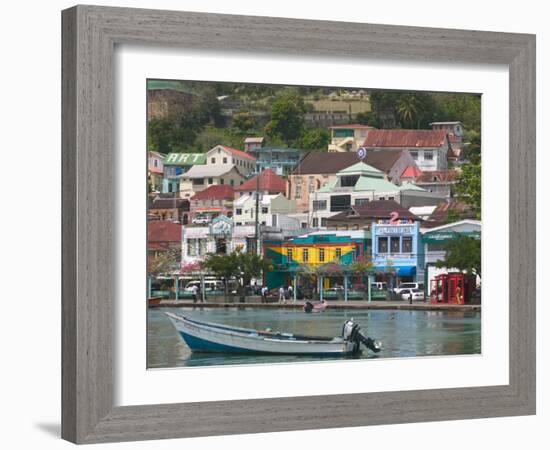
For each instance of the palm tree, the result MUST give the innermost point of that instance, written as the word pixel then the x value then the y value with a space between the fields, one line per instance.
pixel 408 109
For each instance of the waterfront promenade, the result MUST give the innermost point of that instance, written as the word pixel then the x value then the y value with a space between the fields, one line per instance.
pixel 253 302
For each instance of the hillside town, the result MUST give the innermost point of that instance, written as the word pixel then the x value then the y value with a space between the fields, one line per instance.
pixel 373 215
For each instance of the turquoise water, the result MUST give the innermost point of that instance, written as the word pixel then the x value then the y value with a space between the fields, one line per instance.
pixel 403 333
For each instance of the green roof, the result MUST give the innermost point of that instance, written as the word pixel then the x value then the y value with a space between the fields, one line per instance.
pixel 374 184
pixel 185 159
pixel 328 187
pixel 408 186
pixel 362 169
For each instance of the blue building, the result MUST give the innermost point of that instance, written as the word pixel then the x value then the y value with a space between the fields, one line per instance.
pixel 397 251
pixel 175 165
pixel 282 160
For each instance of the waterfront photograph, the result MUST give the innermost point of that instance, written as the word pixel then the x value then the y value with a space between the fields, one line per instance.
pixel 304 223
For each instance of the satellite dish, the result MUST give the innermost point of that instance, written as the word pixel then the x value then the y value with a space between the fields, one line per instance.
pixel 361 152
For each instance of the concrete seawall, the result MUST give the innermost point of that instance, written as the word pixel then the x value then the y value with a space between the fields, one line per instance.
pixel 335 304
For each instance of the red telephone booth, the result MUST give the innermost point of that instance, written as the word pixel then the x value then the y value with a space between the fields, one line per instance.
pixel 452 287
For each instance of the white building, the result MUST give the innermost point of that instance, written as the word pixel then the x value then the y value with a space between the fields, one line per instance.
pixel 198 178
pixel 428 148
pixel 270 210
pixel 225 156
pixel 434 241
pixel 358 185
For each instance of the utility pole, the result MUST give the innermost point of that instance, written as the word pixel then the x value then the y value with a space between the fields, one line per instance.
pixel 257 223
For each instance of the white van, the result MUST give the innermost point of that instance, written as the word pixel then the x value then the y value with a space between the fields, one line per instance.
pixel 379 285
pixel 209 286
pixel 403 286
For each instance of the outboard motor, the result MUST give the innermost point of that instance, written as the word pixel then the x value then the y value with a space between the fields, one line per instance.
pixel 352 332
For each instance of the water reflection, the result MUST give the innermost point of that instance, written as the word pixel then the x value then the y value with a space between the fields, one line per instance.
pixel 403 333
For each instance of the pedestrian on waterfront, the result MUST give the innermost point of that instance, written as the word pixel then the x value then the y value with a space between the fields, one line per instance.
pixel 195 290
pixel 282 294
pixel 290 291
pixel 410 297
pixel 264 294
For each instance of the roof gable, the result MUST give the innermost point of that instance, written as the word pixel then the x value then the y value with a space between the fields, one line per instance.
pixel 215 192
pixel 268 181
pixel 362 169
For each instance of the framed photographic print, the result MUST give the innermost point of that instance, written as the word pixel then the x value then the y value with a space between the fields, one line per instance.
pixel 265 229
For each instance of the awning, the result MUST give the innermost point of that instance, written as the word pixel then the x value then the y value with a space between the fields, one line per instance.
pixel 400 271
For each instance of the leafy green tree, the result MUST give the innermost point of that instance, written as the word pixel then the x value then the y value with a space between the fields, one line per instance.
pixel 170 134
pixel 314 139
pixel 238 264
pixel 223 266
pixel 251 265
pixel 244 122
pixel 287 117
pixel 464 253
pixel 468 182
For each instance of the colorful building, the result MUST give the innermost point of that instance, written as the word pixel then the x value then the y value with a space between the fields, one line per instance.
pixel 428 148
pixel 155 170
pixel 282 160
pixel 175 165
pixel 309 252
pixel 397 251
pixel 434 240
pixel 213 201
pixel 348 138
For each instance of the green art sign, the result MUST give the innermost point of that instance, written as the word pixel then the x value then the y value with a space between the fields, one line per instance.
pixel 185 159
pixel 442 236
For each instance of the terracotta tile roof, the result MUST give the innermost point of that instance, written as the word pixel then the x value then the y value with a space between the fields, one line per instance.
pixel 269 181
pixel 377 209
pixel 405 138
pixel 215 192
pixel 411 172
pixel 239 153
pixel 163 231
pixel 323 162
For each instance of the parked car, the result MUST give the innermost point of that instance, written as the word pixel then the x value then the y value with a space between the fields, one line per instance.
pixel 379 285
pixel 417 294
pixel 403 286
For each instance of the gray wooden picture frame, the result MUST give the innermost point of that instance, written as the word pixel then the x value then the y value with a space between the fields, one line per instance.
pixel 90 34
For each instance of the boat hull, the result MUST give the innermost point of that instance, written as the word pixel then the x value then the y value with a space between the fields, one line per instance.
pixel 206 337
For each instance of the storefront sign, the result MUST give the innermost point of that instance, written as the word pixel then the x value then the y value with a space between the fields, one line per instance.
pixel 396 230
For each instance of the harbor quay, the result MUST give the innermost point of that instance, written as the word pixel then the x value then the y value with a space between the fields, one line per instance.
pixel 252 302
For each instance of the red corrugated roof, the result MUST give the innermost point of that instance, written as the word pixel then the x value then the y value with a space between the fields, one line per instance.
pixel 411 172
pixel 215 192
pixel 269 181
pixel 163 231
pixel 239 153
pixel 405 138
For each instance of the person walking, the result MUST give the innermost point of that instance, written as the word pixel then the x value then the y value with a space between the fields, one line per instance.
pixel 282 295
pixel 195 291
pixel 264 294
pixel 290 291
pixel 410 297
